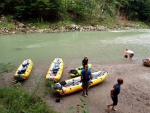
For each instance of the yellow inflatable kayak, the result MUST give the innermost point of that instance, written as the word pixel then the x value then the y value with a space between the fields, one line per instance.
pixel 75 84
pixel 55 70
pixel 23 70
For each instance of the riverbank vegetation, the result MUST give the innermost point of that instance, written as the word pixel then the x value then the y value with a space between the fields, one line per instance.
pixel 52 13
pixel 16 100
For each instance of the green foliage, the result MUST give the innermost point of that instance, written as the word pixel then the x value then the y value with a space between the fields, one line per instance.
pixel 75 10
pixel 50 85
pixel 40 25
pixel 136 9
pixel 79 108
pixel 24 30
pixel 10 26
pixel 7 22
pixel 16 100
pixel 144 12
pixel 5 68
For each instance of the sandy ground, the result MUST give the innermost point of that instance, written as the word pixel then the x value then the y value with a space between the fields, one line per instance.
pixel 134 96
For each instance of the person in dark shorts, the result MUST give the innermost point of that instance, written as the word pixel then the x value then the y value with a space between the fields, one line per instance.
pixel 128 53
pixel 114 93
pixel 85 61
pixel 85 78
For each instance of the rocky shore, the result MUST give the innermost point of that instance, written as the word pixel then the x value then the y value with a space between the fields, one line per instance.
pixel 16 27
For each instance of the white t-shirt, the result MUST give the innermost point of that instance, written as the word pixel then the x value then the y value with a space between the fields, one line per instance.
pixel 130 52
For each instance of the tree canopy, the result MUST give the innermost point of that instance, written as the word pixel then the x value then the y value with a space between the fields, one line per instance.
pixel 76 10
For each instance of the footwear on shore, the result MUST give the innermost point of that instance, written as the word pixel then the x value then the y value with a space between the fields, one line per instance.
pixel 85 95
pixel 114 109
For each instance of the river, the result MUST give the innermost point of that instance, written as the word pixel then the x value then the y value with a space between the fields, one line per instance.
pixel 105 50
pixel 99 46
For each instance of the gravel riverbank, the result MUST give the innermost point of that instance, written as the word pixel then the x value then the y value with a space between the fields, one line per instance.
pixel 134 96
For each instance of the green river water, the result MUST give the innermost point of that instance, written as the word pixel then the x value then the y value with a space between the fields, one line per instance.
pixel 99 46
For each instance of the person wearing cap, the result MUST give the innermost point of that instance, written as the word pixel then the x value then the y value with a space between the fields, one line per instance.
pixel 85 61
pixel 114 93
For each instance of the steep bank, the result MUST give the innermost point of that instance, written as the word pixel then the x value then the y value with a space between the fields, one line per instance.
pixel 16 27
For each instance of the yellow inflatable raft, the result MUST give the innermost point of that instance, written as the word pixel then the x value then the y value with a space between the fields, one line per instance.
pixel 23 70
pixel 75 84
pixel 55 70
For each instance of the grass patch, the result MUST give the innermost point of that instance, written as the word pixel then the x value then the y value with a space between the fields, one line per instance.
pixel 41 25
pixel 50 85
pixel 16 100
pixel 6 67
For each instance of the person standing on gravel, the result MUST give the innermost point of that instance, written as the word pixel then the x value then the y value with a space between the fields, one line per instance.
pixel 114 93
pixel 85 79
